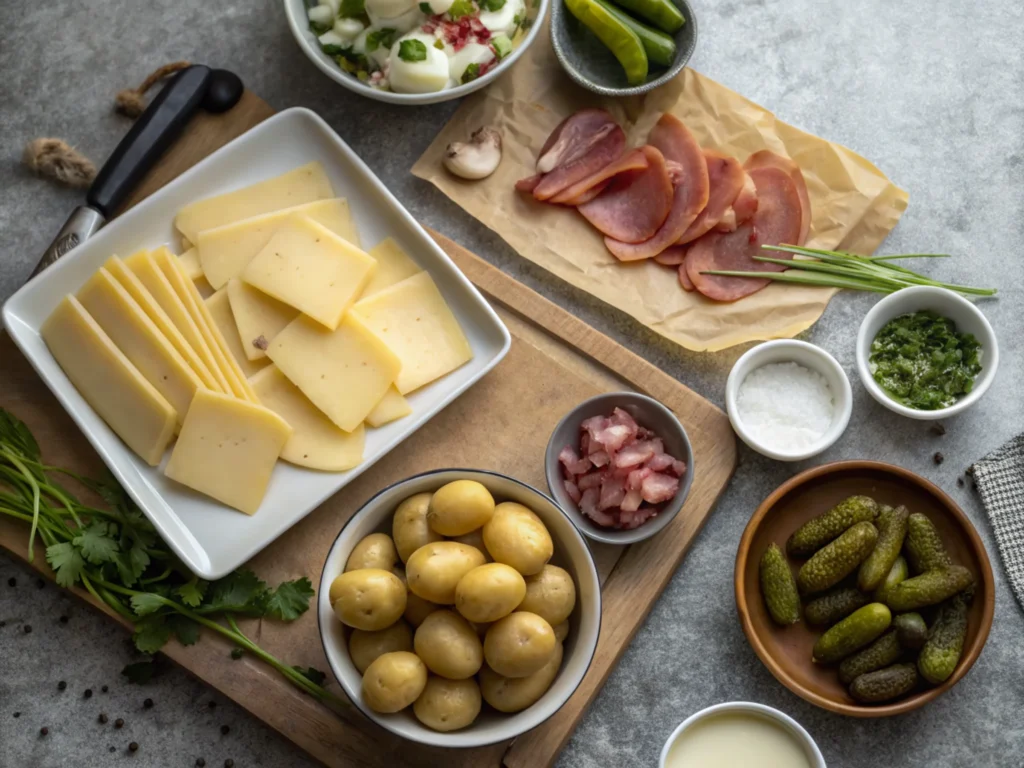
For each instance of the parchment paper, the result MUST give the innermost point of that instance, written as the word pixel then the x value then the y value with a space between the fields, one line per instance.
pixel 854 206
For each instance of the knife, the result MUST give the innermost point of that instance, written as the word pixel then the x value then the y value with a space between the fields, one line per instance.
pixel 198 86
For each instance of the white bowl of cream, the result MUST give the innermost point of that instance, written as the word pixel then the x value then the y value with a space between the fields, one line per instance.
pixel 788 399
pixel 740 734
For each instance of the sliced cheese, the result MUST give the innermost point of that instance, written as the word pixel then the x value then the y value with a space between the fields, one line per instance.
pixel 391 407
pixel 259 317
pixel 128 326
pixel 315 441
pixel 224 251
pixel 203 286
pixel 227 449
pixel 220 311
pixel 393 266
pixel 413 320
pixel 302 185
pixel 344 372
pixel 189 261
pixel 307 266
pixel 115 389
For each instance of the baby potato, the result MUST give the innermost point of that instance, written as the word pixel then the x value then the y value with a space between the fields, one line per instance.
pixel 517 537
pixel 489 592
pixel 475 539
pixel 394 681
pixel 417 609
pixel 374 551
pixel 449 646
pixel 369 599
pixel 519 645
pixel 409 526
pixel 514 694
pixel 447 705
pixel 365 647
pixel 551 594
pixel 480 629
pixel 561 631
pixel 435 569
pixel 460 507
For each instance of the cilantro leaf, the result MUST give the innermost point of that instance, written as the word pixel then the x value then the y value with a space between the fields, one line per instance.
pixel 461 8
pixel 96 544
pixel 131 564
pixel 184 628
pixel 191 592
pixel 145 603
pixel 350 8
pixel 472 73
pixel 492 5
pixel 291 598
pixel 412 50
pixel 66 561
pixel 14 433
pixel 379 37
pixel 140 672
pixel 238 592
pixel 312 674
pixel 151 634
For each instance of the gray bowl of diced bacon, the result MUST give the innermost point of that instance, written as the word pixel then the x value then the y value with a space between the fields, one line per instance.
pixel 620 465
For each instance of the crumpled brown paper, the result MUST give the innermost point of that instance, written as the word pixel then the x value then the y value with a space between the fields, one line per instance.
pixel 854 206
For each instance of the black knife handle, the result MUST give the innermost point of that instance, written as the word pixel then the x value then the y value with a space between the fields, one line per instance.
pixel 151 135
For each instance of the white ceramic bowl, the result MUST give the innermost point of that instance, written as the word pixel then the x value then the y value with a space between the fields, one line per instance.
pixel 809 356
pixel 814 756
pixel 571 553
pixel 298 21
pixel 968 319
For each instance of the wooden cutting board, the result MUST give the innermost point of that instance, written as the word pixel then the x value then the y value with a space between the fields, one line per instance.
pixel 502 423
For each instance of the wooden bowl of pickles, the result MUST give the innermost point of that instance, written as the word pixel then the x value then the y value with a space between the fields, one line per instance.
pixel 864 588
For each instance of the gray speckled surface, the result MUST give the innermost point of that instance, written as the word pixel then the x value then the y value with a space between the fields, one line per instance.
pixel 930 92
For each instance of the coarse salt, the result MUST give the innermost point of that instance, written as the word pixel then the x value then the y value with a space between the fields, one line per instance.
pixel 785 406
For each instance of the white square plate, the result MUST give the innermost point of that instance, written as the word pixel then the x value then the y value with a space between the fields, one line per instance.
pixel 209 537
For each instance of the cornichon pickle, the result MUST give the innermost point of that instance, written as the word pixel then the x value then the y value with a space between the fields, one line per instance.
pixel 833 562
pixel 925 550
pixel 884 684
pixel 622 41
pixel 910 629
pixel 884 651
pixel 928 589
pixel 819 531
pixel 778 587
pixel 892 528
pixel 945 643
pixel 897 573
pixel 852 633
pixel 834 605
pixel 662 13
pixel 661 49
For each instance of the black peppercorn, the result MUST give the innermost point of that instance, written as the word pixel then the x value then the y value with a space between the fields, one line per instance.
pixel 88 693
pixel 960 482
pixel 212 705
pixel 148 704
pixel 938 458
pixel 104 689
pixel 939 429
pixel 118 723
pixel 103 718
pixel 229 763
pixel 43 731
pixel 112 749
pixel 63 619
pixel 17 714
pixel 224 730
pixel 133 747
pixel 200 763
pixel 61 685
pixel 40 583
pixel 27 628
pixel 12 582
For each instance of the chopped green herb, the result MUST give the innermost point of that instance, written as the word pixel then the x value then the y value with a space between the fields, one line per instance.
pixel 311 673
pixel 425 7
pixel 332 49
pixel 492 5
pixel 472 73
pixel 379 37
pixel 517 21
pixel 291 598
pixel 352 8
pixel 461 8
pixel 412 50
pixel 439 44
pixel 318 29
pixel 502 46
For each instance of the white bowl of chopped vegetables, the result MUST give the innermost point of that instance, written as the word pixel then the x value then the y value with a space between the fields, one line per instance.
pixel 926 353
pixel 414 51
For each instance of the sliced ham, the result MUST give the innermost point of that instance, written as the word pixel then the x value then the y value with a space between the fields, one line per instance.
pixel 725 179
pixel 528 184
pixel 684 278
pixel 690 190
pixel 635 204
pixel 777 221
pixel 579 146
pixel 743 208
pixel 577 194
pixel 767 159
pixel 672 256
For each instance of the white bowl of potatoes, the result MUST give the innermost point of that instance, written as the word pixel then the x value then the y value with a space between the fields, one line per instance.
pixel 459 608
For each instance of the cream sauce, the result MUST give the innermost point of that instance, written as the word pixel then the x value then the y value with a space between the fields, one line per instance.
pixel 736 740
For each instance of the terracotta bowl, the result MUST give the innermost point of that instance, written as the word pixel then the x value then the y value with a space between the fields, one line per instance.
pixel 787 651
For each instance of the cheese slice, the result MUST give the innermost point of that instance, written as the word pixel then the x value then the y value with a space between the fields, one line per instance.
pixel 315 441
pixel 310 268
pixel 220 311
pixel 224 251
pixel 301 185
pixel 138 291
pixel 344 372
pixel 115 389
pixel 393 266
pixel 259 317
pixel 203 287
pixel 391 407
pixel 227 449
pixel 128 326
pixel 189 261
pixel 413 320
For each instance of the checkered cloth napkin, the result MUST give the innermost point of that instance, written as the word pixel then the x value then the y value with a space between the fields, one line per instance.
pixel 1000 479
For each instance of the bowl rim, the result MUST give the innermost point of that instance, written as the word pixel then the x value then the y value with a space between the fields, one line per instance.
pixel 843 398
pixel 438 740
pixel 576 517
pixel 413 99
pixel 744 706
pixel 891 307
pixel 986 579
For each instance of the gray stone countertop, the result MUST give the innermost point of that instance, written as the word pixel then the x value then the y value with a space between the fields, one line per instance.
pixel 933 93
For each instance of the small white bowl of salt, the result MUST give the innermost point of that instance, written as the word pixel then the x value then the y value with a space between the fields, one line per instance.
pixel 788 399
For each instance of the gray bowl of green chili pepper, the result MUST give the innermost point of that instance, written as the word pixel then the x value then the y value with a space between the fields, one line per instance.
pixel 926 353
pixel 622 47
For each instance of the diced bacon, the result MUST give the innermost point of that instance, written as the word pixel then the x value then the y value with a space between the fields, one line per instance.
pixel 678 468
pixel 584 443
pixel 573 490
pixel 629 520
pixel 588 481
pixel 612 492
pixel 631 501
pixel 658 487
pixel 599 458
pixel 635 454
pixel 595 424
pixel 642 433
pixel 622 417
pixel 573 464
pixel 588 506
pixel 659 462
pixel 635 479
pixel 613 437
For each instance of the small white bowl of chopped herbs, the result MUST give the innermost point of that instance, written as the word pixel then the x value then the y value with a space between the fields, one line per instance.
pixel 926 353
pixel 788 400
pixel 414 51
